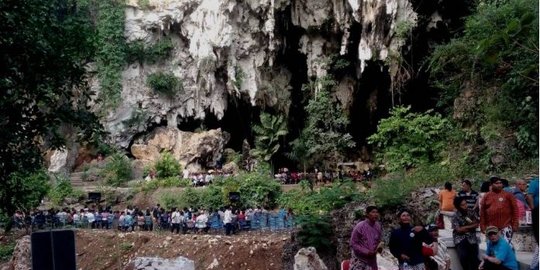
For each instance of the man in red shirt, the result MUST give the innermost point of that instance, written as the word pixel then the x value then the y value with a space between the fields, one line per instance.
pixel 499 209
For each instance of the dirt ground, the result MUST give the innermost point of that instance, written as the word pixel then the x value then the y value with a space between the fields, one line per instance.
pixel 102 249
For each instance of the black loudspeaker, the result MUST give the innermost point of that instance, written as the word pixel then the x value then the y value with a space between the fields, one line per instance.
pixel 53 250
pixel 94 196
pixel 234 196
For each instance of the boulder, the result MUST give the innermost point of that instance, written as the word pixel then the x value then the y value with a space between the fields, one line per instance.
pixel 308 259
pixel 22 255
pixel 156 263
pixel 193 150
pixel 58 161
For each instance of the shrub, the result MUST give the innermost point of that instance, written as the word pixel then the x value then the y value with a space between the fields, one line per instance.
pixel 172 181
pixel 325 199
pixel 160 50
pixel 169 200
pixel 6 251
pixel 164 83
pixel 167 166
pixel 390 192
pixel 61 190
pixel 407 139
pixel 260 189
pixel 315 231
pixel 118 170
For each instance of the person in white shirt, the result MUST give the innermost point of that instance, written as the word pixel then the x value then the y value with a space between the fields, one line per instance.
pixel 176 220
pixel 227 220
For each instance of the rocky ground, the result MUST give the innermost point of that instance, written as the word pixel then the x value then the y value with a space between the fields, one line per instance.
pixel 100 249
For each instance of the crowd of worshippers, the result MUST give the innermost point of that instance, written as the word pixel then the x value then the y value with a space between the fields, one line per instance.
pixel 198 179
pixel 496 212
pixel 285 176
pixel 133 219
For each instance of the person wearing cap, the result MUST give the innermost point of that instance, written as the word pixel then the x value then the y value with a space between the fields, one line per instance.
pixel 499 255
pixel 499 209
pixel 464 225
pixel 366 241
pixel 406 243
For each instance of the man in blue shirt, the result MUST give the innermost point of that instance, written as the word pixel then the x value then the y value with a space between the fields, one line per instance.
pixel 499 255
pixel 532 200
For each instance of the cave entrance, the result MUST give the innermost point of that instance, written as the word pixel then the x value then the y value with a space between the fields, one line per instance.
pixel 372 99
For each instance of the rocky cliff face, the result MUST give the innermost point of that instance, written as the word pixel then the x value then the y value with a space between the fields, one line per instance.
pixel 260 52
pixel 224 48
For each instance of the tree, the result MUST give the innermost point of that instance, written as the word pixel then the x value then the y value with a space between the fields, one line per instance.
pixel 495 62
pixel 407 139
pixel 267 137
pixel 325 135
pixel 44 46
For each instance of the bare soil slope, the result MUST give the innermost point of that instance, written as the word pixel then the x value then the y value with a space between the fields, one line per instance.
pixel 99 249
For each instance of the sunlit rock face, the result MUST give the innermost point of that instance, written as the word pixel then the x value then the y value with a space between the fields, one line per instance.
pixel 229 47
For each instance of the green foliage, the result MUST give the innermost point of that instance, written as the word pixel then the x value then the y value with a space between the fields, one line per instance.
pixel 307 202
pixel 164 83
pixel 110 53
pixel 6 251
pixel 26 190
pixel 232 156
pixel 143 4
pixel 137 120
pixel 315 231
pixel 117 171
pixel 267 137
pixel 239 78
pixel 44 47
pixel 497 61
pixel 61 190
pixel 403 28
pixel 325 134
pixel 167 166
pixel 126 246
pixel 406 139
pixel 258 189
pixel 167 182
pixel 137 51
pixel 169 200
pixel 391 192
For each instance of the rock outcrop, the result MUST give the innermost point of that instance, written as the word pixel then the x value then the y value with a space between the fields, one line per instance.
pixel 308 259
pixel 236 48
pixel 22 255
pixel 194 150
pixel 155 263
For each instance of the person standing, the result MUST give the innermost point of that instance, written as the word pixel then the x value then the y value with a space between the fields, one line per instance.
pixel 464 225
pixel 446 200
pixel 406 243
pixel 227 221
pixel 469 194
pixel 532 200
pixel 366 241
pixel 520 193
pixel 499 209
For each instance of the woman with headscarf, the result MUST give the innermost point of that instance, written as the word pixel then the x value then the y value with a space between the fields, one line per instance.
pixel 406 243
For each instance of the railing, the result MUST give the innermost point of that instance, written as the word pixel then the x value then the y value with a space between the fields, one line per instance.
pixel 261 221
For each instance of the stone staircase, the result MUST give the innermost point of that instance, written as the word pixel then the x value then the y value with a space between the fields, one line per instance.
pixel 87 181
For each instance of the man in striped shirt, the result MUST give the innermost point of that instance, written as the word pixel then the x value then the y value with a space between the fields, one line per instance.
pixel 366 241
